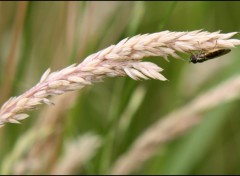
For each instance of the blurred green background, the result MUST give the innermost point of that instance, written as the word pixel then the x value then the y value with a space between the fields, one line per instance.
pixel 35 36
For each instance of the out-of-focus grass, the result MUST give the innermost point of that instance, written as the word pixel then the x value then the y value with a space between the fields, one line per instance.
pixel 186 154
pixel 101 107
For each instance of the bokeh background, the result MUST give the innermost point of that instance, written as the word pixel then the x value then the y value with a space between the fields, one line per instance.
pixel 88 130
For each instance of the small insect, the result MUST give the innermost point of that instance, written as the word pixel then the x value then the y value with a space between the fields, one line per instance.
pixel 202 56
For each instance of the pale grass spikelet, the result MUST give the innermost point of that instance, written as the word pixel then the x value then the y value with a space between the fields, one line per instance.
pixel 21 116
pixel 12 120
pixel 45 75
pixel 47 101
pixel 124 58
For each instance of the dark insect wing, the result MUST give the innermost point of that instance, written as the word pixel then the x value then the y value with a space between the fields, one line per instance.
pixel 217 53
pixel 201 57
